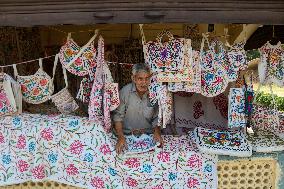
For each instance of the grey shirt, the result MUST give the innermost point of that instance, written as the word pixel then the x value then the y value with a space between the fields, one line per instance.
pixel 134 112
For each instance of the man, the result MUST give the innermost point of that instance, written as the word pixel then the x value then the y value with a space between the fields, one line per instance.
pixel 135 115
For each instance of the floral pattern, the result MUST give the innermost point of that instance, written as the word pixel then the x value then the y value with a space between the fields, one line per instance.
pixel 237 60
pixel 271 67
pixel 222 142
pixel 194 84
pixel 165 57
pixel 84 156
pixel 236 116
pixel 143 143
pixel 5 104
pixel 75 63
pixel 214 78
pixel 36 88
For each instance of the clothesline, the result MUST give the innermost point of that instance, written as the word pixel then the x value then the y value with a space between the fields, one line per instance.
pixel 10 65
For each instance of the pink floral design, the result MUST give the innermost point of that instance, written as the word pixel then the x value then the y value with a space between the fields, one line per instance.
pixel 23 165
pixel 47 134
pixel 2 139
pixel 72 170
pixel 97 182
pixel 132 162
pixel 131 182
pixel 164 156
pixel 158 187
pixel 76 147
pixel 21 144
pixel 194 161
pixel 192 182
pixel 38 172
pixel 105 149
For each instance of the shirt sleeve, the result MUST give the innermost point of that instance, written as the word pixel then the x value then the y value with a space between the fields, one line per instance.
pixel 119 112
pixel 155 116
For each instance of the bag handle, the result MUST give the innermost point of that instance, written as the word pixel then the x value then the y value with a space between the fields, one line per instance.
pixel 54 66
pixel 164 33
pixel 142 34
pixel 65 77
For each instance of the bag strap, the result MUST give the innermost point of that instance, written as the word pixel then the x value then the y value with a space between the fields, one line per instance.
pixel 54 66
pixel 15 71
pixel 164 33
pixel 65 77
pixel 142 34
pixel 40 63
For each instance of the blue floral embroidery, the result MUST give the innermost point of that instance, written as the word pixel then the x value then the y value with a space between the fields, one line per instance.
pixel 32 147
pixel 73 123
pixel 88 157
pixel 112 171
pixel 16 121
pixel 6 159
pixel 208 168
pixel 52 157
pixel 172 176
pixel 147 168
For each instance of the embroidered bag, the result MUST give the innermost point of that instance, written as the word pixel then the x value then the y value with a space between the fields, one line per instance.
pixel 36 88
pixel 16 92
pixel 189 86
pixel 213 73
pixel 78 60
pixel 63 100
pixel 165 101
pixel 271 66
pixel 167 59
pixel 236 110
pixel 266 118
pixel 237 60
pixel 7 100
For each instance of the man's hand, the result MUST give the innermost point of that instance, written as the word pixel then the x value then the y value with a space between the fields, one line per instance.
pixel 157 136
pixel 121 143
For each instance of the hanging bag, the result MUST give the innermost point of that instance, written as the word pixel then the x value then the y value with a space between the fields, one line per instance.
pixel 63 100
pixel 213 74
pixel 37 88
pixel 78 60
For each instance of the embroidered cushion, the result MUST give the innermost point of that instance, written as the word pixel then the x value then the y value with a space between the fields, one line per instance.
pixel 7 100
pixel 222 142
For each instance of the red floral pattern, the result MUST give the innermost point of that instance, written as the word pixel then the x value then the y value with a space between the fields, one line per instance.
pixel 72 170
pixel 131 182
pixel 132 162
pixel 23 165
pixel 21 144
pixel 47 134
pixel 97 182
pixel 164 156
pixel 76 147
pixel 38 172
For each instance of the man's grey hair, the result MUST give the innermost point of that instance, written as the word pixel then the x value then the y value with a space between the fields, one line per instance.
pixel 140 68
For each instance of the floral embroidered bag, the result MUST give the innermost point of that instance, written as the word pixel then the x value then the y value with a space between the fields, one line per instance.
pixel 237 60
pixel 78 60
pixel 7 99
pixel 214 78
pixel 63 100
pixel 36 88
pixel 236 110
pixel 271 66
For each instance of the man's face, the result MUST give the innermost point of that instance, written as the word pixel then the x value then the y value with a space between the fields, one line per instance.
pixel 142 81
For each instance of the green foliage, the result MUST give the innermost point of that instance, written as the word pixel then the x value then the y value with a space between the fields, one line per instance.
pixel 266 100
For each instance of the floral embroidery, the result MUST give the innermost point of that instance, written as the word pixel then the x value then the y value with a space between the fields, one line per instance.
pixel 236 116
pixel 72 170
pixel 47 134
pixel 23 165
pixel 194 161
pixel 105 149
pixel 164 156
pixel 192 182
pixel 52 157
pixel 2 139
pixel 97 182
pixel 76 147
pixel 6 159
pixel 89 157
pixel 132 163
pixel 131 182
pixel 21 144
pixel 112 171
pixel 38 172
